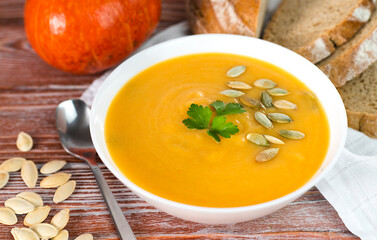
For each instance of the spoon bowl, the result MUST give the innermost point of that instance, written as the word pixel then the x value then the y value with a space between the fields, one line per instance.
pixel 72 124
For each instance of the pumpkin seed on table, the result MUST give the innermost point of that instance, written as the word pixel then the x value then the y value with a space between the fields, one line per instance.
pixel 279 117
pixel 29 173
pixel 64 191
pixel 4 178
pixel 24 142
pixel 45 230
pixel 257 139
pixel 291 134
pixel 232 93
pixel 263 120
pixel 267 154
pixel 250 102
pixel 265 83
pixel 238 85
pixel 60 220
pixel 273 139
pixel 86 236
pixel 12 164
pixel 55 180
pixel 31 197
pixel 277 92
pixel 36 216
pixel 62 235
pixel 24 234
pixel 236 71
pixel 19 205
pixel 7 216
pixel 266 100
pixel 284 104
pixel 53 166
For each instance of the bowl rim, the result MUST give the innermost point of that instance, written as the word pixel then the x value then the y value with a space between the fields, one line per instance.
pixel 286 198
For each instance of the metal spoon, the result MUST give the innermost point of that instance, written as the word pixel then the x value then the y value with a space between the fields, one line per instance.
pixel 72 123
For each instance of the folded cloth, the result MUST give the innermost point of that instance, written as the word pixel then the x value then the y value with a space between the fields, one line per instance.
pixel 350 187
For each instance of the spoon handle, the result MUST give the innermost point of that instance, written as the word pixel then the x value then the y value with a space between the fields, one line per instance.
pixel 120 221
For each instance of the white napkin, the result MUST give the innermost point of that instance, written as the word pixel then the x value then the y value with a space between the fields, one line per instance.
pixel 350 187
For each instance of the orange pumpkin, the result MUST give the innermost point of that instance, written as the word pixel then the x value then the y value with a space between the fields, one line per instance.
pixel 88 36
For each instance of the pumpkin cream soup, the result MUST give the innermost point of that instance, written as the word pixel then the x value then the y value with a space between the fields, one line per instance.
pixel 217 130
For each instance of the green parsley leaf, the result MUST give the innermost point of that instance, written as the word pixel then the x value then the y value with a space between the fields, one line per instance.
pixel 200 117
pixel 222 128
pixel 230 108
pixel 214 135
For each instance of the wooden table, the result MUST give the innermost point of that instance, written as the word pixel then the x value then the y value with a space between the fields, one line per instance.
pixel 29 93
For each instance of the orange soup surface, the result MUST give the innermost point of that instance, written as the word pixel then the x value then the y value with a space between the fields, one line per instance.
pixel 154 149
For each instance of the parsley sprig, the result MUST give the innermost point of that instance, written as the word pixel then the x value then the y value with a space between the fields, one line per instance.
pixel 200 118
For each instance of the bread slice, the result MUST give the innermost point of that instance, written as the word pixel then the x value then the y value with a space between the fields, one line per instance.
pixel 352 58
pixel 360 99
pixel 242 17
pixel 314 28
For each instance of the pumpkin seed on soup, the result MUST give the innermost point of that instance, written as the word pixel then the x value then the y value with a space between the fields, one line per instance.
pixel 238 85
pixel 273 139
pixel 265 83
pixel 250 102
pixel 267 154
pixel 263 120
pixel 279 117
pixel 232 93
pixel 312 98
pixel 284 104
pixel 236 71
pixel 291 134
pixel 257 139
pixel 277 92
pixel 266 100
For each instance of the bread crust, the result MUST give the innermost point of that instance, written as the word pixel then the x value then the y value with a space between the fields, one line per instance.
pixel 317 50
pixel 225 16
pixel 326 43
pixel 352 61
pixel 346 29
pixel 363 122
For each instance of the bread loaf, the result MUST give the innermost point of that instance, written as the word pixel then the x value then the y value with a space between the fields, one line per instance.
pixel 360 99
pixel 244 17
pixel 315 28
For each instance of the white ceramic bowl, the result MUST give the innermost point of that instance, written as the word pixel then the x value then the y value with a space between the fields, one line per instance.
pixel 252 47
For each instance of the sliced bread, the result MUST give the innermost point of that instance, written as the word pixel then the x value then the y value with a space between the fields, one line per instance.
pixel 314 28
pixel 242 17
pixel 360 99
pixel 353 57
